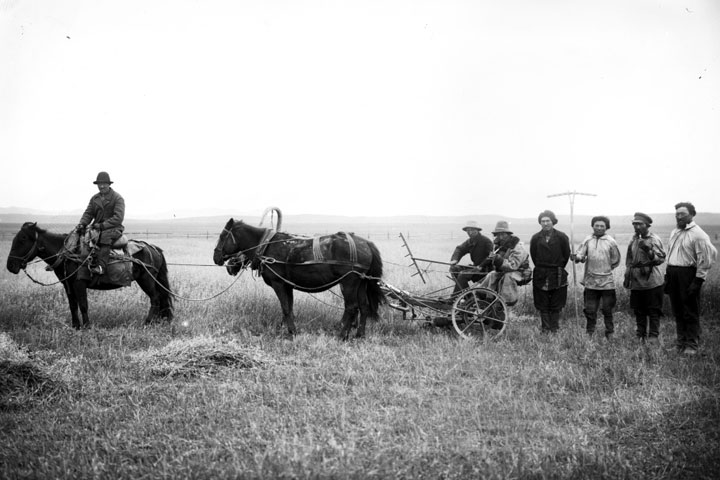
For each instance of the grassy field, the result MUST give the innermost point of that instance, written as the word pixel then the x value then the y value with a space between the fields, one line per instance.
pixel 222 393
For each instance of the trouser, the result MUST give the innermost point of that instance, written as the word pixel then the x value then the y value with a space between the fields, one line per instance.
pixel 596 300
pixel 549 303
pixel 685 307
pixel 647 306
pixel 463 276
pixel 102 257
pixel 104 245
pixel 549 322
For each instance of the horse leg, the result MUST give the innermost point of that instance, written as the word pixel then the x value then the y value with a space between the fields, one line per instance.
pixel 364 305
pixel 148 286
pixel 73 303
pixel 80 289
pixel 284 293
pixel 349 318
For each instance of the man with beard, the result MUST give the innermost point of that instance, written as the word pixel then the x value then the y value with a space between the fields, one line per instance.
pixel 509 263
pixel 479 247
pixel 690 255
pixel 643 277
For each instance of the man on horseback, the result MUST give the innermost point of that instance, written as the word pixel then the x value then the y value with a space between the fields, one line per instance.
pixel 106 211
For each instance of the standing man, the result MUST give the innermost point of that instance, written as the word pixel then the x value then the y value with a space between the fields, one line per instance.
pixel 601 255
pixel 643 277
pixel 479 247
pixel 550 252
pixel 690 255
pixel 106 211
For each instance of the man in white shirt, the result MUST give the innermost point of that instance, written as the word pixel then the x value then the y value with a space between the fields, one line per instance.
pixel 601 255
pixel 690 255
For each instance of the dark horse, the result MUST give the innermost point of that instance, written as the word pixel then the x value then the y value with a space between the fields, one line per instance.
pixel 287 262
pixel 149 270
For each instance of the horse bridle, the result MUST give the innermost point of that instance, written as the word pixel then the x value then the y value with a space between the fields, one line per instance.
pixel 221 248
pixel 24 260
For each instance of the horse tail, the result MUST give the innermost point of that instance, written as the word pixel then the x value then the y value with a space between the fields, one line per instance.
pixel 375 295
pixel 164 292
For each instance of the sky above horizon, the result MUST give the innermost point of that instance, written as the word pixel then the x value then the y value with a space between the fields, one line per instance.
pixel 379 107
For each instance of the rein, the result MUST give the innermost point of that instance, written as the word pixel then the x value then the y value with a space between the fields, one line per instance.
pixel 321 287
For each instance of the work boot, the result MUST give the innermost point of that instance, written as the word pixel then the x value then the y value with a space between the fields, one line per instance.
pixel 96 269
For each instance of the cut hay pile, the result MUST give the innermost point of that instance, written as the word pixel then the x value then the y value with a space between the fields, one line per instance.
pixel 22 379
pixel 199 356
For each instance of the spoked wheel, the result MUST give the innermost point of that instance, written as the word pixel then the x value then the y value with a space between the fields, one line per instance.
pixel 479 313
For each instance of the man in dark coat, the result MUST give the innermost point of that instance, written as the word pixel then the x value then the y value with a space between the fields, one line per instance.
pixel 550 252
pixel 479 247
pixel 106 211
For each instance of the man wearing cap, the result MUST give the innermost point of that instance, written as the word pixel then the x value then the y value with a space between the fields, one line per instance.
pixel 479 247
pixel 601 255
pixel 643 277
pixel 690 255
pixel 106 211
pixel 550 252
pixel 509 261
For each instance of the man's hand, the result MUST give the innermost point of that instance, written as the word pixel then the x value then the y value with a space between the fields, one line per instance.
pixel 96 226
pixel 497 262
pixel 695 286
pixel 644 246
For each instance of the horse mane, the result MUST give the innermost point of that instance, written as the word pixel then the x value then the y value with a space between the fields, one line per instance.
pixel 229 225
pixel 44 232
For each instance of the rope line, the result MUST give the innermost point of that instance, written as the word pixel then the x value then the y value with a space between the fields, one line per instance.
pixel 188 299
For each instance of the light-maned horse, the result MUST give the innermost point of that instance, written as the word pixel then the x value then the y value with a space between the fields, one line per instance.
pixel 288 263
pixel 149 270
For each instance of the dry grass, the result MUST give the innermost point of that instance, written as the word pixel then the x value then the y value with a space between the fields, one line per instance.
pixel 198 356
pixel 23 381
pixel 228 396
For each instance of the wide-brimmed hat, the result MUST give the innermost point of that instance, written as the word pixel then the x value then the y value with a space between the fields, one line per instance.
pixel 502 227
pixel 102 177
pixel 640 217
pixel 472 224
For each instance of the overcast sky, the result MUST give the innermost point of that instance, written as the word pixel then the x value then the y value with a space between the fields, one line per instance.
pixel 372 107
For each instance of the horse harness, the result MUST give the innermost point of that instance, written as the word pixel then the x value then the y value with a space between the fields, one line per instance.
pixel 261 259
pixel 319 257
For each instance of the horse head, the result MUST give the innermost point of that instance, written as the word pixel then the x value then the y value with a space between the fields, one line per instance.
pixel 229 249
pixel 24 247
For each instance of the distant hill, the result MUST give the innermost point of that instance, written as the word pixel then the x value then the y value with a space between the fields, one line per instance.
pixel 309 224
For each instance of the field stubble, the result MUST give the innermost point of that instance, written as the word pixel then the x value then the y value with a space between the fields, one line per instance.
pixel 406 402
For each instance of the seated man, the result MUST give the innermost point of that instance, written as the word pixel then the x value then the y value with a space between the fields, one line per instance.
pixel 105 212
pixel 479 247
pixel 510 263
